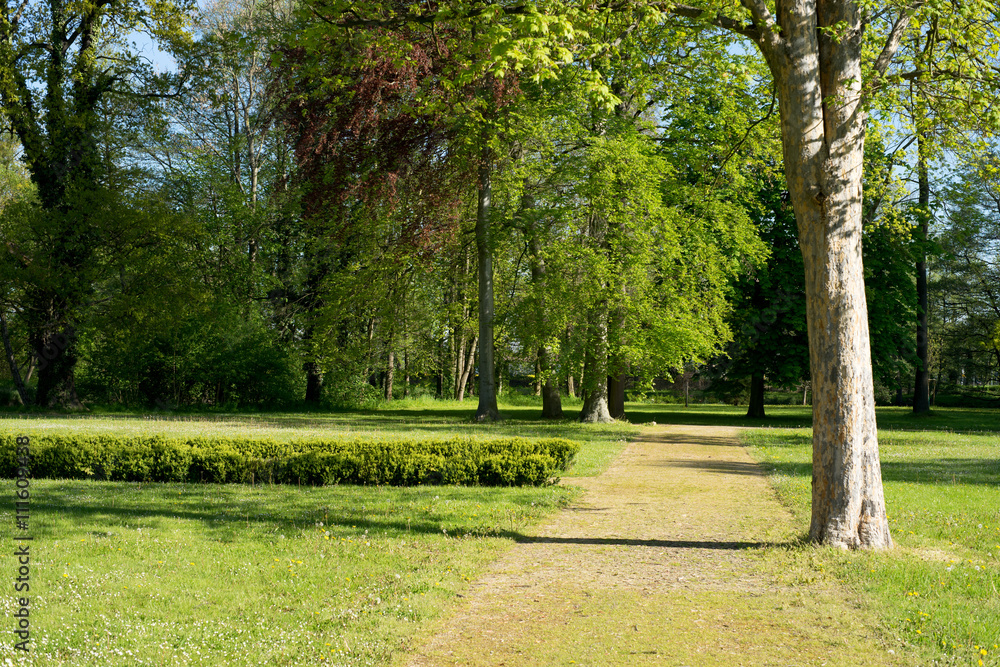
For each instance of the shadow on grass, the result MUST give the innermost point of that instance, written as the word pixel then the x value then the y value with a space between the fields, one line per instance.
pixel 231 512
pixel 429 417
pixel 950 471
pixel 717 415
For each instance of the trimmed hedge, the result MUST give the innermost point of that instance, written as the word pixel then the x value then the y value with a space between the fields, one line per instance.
pixel 493 462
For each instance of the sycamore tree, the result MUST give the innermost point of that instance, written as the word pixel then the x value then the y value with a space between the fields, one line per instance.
pixel 829 59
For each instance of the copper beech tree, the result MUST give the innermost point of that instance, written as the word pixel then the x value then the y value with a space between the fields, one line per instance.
pixel 830 60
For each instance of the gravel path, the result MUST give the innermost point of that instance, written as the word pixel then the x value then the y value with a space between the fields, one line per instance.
pixel 676 555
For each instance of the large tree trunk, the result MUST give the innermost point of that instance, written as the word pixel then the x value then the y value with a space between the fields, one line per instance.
pixel 818 80
pixel 921 392
pixel 595 370
pixel 56 355
pixel 756 407
pixel 487 410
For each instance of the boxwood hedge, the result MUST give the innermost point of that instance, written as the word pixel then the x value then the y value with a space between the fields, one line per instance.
pixel 153 458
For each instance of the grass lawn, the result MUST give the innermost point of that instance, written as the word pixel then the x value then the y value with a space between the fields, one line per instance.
pixel 184 574
pixel 172 574
pixel 937 591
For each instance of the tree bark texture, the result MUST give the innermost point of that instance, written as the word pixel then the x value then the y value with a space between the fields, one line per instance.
pixel 487 410
pixel 595 370
pixel 818 79
pixel 921 391
pixel 56 353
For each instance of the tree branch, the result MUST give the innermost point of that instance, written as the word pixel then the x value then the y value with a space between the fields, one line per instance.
pixel 895 38
pixel 748 30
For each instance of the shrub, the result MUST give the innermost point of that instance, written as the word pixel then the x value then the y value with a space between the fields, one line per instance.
pixel 494 462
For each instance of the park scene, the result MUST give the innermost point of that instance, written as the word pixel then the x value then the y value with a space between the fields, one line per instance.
pixel 497 332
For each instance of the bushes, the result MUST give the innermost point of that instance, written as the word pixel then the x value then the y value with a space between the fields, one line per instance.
pixel 494 462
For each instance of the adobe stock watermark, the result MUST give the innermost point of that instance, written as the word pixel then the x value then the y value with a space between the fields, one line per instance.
pixel 51 351
pixel 22 538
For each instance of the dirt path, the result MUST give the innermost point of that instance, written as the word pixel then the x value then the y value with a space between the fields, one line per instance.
pixel 651 566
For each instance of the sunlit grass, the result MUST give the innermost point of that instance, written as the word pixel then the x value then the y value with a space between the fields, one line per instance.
pixel 171 574
pixel 937 590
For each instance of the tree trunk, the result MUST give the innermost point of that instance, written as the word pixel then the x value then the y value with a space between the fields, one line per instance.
pixel 921 392
pixel 467 369
pixel 406 373
pixel 756 407
pixel 616 396
pixel 595 370
pixel 390 373
pixel 15 372
pixel 460 370
pixel 56 355
pixel 545 384
pixel 818 79
pixel 487 410
pixel 570 386
pixel 314 383
pixel 551 400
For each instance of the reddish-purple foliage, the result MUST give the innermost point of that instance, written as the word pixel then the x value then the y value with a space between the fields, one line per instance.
pixel 365 148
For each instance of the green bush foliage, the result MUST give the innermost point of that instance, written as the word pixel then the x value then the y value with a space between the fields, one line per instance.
pixel 468 461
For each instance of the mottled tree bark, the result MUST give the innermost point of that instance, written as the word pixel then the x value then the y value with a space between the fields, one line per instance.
pixel 818 78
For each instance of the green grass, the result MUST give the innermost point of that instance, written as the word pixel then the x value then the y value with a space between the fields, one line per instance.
pixel 169 574
pixel 937 591
pixel 207 574
pixel 172 574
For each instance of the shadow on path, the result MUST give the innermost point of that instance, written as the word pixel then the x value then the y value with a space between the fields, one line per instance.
pixel 666 544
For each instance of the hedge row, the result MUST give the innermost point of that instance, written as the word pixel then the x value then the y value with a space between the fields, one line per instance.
pixel 493 462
